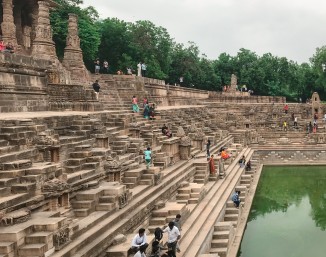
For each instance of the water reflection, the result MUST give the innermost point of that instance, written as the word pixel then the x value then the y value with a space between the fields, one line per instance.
pixel 288 215
pixel 281 187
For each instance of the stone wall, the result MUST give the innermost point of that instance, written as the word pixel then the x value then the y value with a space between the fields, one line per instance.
pixel 72 97
pixel 219 96
pixel 23 83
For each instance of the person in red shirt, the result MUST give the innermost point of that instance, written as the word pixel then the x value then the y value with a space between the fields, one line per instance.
pixel 2 45
pixel 286 108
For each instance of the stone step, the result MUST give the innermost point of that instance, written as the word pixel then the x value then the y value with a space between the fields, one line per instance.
pixel 219 243
pixel 44 237
pixel 223 226
pixel 23 188
pixel 83 204
pixel 231 217
pixel 221 234
pixel 82 212
pixel 6 247
pixel 8 182
pixel 222 252
pixel 108 199
pixel 105 207
pixel 12 173
pixel 12 199
pixel 32 250
pixel 157 221
pixel 16 165
pixel 73 177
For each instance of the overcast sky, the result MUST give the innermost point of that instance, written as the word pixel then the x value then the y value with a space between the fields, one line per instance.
pixel 289 28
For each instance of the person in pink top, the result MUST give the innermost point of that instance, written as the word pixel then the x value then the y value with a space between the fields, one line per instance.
pixel 2 45
pixel 135 107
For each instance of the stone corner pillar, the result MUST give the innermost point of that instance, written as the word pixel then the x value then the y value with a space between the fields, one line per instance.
pixel 8 26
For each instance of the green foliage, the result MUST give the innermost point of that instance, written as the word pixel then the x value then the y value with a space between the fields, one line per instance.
pixel 124 44
pixel 88 29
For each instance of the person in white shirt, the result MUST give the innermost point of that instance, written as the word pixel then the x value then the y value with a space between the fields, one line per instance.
pixel 138 240
pixel 173 237
pixel 139 69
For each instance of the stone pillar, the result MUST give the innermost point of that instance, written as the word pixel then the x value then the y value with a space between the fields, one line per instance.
pixel 65 200
pixel 43 45
pixel 53 205
pixel 234 82
pixel 73 55
pixel 8 26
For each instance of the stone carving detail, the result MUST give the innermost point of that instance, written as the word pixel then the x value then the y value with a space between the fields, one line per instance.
pixel 180 132
pixel 43 139
pixel 185 141
pixel 27 36
pixel 55 185
pixel 61 238
pixel 8 26
pixel 192 128
pixel 12 218
pixel 123 200
pixel 199 135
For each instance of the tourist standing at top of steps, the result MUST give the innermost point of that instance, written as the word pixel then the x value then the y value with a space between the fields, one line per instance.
pixel 148 157
pixel 143 69
pixel 96 87
pixel 173 237
pixel 106 67
pixel 97 66
pixel 139 240
pixel 139 69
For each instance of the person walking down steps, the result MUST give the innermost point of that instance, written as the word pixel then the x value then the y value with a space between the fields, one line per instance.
pixel 96 87
pixel 148 157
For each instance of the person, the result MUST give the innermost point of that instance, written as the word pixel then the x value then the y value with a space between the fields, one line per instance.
pixel 316 116
pixel 314 130
pixel 242 161
pixel 248 166
pixel 310 127
pixel 157 250
pixel 285 126
pixel 181 80
pixel 148 157
pixel 295 121
pixel 158 234
pixel 138 240
pixel 145 101
pixel 119 72
pixel 2 45
pixel 143 69
pixel 152 111
pixel 139 69
pixel 212 165
pixel 208 145
pixel 10 48
pixel 286 108
pixel 225 155
pixel 177 223
pixel 141 251
pixel 164 128
pixel 324 118
pixel 173 238
pixel 146 111
pixel 96 87
pixel 135 107
pixel 235 198
pixel 129 71
pixel 168 133
pixel 292 116
pixel 97 66
pixel 106 67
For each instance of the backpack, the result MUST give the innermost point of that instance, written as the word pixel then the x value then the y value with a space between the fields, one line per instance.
pixel 158 234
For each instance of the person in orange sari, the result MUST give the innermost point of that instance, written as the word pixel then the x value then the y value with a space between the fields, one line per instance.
pixel 225 155
pixel 212 165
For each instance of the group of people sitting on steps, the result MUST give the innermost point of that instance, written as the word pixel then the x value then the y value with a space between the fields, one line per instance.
pixel 139 243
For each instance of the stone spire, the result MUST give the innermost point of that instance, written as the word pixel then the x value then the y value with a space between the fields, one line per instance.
pixel 43 45
pixel 73 55
pixel 8 26
pixel 234 82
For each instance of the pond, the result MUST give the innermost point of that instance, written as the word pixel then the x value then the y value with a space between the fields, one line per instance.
pixel 288 214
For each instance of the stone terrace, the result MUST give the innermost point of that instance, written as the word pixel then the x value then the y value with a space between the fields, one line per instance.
pixel 74 183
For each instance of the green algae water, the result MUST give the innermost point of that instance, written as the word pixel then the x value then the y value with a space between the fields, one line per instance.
pixel 288 214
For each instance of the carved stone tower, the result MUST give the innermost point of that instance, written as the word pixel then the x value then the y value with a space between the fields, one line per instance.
pixel 73 55
pixel 8 26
